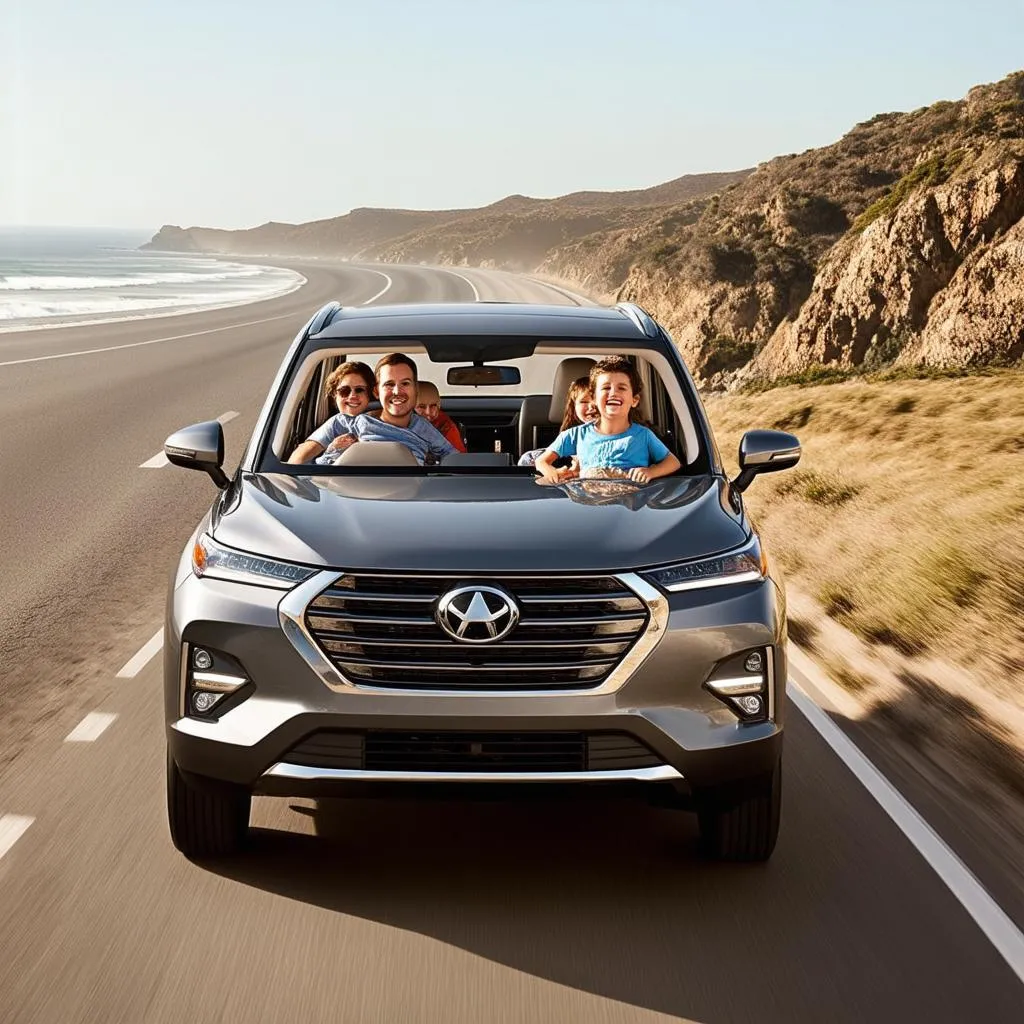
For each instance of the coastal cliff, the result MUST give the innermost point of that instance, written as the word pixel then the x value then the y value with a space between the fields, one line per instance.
pixel 515 233
pixel 901 243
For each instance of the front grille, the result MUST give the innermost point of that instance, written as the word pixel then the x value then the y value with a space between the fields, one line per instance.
pixel 441 752
pixel 381 631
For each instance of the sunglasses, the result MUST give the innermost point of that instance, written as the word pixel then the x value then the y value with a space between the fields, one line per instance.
pixel 345 390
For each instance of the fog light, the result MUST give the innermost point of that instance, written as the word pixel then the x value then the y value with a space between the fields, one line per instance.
pixel 201 659
pixel 203 702
pixel 217 682
pixel 754 662
pixel 750 705
pixel 735 687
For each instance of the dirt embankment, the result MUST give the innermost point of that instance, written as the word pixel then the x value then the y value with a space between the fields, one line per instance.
pixel 899 538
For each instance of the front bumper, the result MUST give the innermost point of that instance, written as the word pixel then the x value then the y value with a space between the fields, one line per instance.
pixel 662 703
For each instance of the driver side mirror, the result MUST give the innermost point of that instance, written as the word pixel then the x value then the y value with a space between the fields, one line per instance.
pixel 765 451
pixel 200 446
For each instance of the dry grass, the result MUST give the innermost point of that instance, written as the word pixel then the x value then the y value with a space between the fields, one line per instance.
pixel 848 677
pixel 905 517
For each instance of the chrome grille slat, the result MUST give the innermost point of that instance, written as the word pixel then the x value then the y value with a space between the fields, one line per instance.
pixel 435 666
pixel 383 620
pixel 572 632
pixel 508 645
pixel 384 677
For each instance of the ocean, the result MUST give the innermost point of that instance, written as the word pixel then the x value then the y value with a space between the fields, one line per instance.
pixel 56 275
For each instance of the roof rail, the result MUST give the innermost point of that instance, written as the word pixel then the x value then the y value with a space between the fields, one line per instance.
pixel 640 317
pixel 323 317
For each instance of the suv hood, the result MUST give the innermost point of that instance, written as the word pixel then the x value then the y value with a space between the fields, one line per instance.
pixel 477 523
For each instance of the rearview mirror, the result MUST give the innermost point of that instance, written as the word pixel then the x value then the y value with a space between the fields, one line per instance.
pixel 765 451
pixel 475 376
pixel 200 446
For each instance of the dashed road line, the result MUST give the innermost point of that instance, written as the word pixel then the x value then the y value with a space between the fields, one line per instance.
pixel 133 667
pixel 12 828
pixel 374 298
pixel 997 926
pixel 90 728
pixel 159 460
pixel 152 341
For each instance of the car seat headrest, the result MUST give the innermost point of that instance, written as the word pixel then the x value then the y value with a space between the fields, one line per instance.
pixel 376 453
pixel 568 370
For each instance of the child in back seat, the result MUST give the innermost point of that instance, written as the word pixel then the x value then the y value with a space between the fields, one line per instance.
pixel 428 405
pixel 579 409
pixel 614 446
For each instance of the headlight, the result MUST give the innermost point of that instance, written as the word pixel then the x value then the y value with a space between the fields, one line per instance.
pixel 220 563
pixel 744 565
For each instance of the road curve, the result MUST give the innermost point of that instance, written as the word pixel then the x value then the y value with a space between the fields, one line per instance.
pixel 506 911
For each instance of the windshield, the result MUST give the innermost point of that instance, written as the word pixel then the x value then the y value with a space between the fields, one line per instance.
pixel 399 410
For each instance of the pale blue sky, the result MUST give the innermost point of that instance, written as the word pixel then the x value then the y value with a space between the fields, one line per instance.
pixel 230 113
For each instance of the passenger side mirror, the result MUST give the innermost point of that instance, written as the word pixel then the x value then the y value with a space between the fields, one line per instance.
pixel 200 446
pixel 765 451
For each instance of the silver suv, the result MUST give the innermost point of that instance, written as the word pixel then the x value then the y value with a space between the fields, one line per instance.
pixel 334 628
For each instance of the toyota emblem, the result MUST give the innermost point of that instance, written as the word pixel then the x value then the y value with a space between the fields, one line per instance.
pixel 477 614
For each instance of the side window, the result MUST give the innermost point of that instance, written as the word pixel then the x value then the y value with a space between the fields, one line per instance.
pixel 663 415
pixel 313 408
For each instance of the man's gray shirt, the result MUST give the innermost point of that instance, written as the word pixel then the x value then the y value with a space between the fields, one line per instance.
pixel 421 437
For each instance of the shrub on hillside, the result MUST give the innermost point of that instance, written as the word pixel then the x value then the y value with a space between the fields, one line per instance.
pixel 933 171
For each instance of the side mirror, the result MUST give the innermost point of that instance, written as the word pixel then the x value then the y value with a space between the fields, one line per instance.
pixel 200 446
pixel 765 451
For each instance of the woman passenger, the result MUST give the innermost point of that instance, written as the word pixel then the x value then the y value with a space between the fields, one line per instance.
pixel 351 387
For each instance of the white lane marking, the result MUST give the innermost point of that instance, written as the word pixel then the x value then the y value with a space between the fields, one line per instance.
pixel 152 341
pixel 476 294
pixel 374 298
pixel 12 828
pixel 575 297
pixel 90 728
pixel 133 667
pixel 160 460
pixel 971 894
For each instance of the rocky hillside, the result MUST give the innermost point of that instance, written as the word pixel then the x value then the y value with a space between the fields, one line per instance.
pixel 902 242
pixel 515 233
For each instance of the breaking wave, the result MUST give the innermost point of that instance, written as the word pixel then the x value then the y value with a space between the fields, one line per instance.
pixel 41 285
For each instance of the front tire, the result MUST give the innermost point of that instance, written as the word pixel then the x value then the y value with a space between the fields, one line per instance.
pixel 206 821
pixel 744 825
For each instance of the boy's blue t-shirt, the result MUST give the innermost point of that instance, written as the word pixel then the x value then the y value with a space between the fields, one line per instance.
pixel 636 447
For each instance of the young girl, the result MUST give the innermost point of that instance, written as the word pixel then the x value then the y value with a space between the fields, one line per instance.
pixel 351 387
pixel 579 409
pixel 614 445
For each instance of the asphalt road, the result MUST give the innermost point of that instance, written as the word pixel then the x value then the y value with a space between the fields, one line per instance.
pixel 592 910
